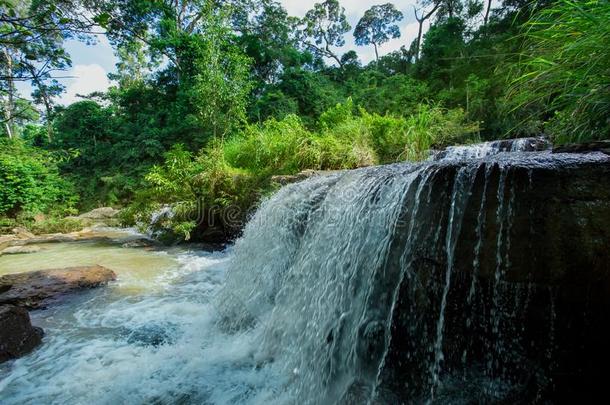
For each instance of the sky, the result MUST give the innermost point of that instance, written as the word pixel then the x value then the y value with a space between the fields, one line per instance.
pixel 91 64
pixel 354 10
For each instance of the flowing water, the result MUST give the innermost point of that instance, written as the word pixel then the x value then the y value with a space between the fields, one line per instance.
pixel 322 301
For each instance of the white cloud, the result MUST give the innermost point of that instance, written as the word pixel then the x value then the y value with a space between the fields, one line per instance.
pixel 87 79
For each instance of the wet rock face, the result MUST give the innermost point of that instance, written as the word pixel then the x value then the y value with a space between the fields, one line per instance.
pixel 17 335
pixel 597 146
pixel 38 289
pixel 527 304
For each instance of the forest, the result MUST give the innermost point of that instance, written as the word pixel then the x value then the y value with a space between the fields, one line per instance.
pixel 213 98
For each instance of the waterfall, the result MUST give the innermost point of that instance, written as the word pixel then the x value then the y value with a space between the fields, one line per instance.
pixel 479 276
pixel 482 150
pixel 358 284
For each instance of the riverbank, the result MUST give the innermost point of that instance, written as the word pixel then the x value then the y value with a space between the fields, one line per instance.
pixel 130 341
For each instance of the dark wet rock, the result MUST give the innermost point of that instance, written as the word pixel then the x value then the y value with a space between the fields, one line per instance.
pixel 529 295
pixel 38 289
pixel 151 335
pixel 17 335
pixel 588 147
pixel 140 243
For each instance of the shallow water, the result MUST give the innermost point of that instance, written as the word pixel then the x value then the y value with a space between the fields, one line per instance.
pixel 137 269
pixel 149 337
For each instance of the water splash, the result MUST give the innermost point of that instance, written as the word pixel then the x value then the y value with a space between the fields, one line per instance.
pixel 349 288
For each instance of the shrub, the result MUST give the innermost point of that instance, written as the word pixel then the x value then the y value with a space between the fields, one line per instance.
pixel 274 147
pixel 200 191
pixel 30 181
pixel 56 225
pixel 411 137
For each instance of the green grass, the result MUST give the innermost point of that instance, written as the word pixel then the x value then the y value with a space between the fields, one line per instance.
pixel 234 174
pixel 565 70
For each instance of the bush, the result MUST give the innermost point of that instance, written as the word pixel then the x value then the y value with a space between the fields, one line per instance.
pixel 411 137
pixel 30 181
pixel 231 177
pixel 275 147
pixel 55 225
pixel 204 194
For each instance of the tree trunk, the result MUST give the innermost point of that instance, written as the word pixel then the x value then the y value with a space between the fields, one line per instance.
pixel 332 55
pixel 46 101
pixel 487 12
pixel 49 113
pixel 10 100
pixel 376 52
pixel 419 33
pixel 421 20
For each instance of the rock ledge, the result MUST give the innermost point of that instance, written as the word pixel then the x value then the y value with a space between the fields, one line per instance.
pixel 38 289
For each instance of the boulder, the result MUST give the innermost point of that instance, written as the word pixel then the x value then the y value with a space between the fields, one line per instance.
pixel 22 233
pixel 17 335
pixel 526 295
pixel 101 214
pixel 6 240
pixel 38 289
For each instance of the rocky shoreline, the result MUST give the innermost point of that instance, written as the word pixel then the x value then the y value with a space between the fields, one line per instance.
pixel 40 289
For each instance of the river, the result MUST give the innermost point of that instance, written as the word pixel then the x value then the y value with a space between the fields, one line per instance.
pixel 480 276
pixel 149 337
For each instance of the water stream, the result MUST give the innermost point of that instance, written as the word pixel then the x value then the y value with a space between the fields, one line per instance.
pixel 341 291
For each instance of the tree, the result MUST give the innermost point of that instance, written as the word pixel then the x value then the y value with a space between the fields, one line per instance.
pixel 324 27
pixel 487 10
pixel 269 40
pixel 220 80
pixel 377 26
pixel 420 21
pixel 32 33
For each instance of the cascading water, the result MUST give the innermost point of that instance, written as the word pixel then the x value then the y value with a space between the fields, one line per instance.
pixel 406 283
pixel 337 272
pixel 485 149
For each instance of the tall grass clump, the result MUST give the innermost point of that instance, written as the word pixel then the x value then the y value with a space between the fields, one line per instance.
pixel 566 68
pixel 273 147
pixel 344 139
pixel 234 174
pixel 412 137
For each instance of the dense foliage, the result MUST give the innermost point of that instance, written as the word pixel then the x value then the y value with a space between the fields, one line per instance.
pixel 566 70
pixel 214 98
pixel 30 180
